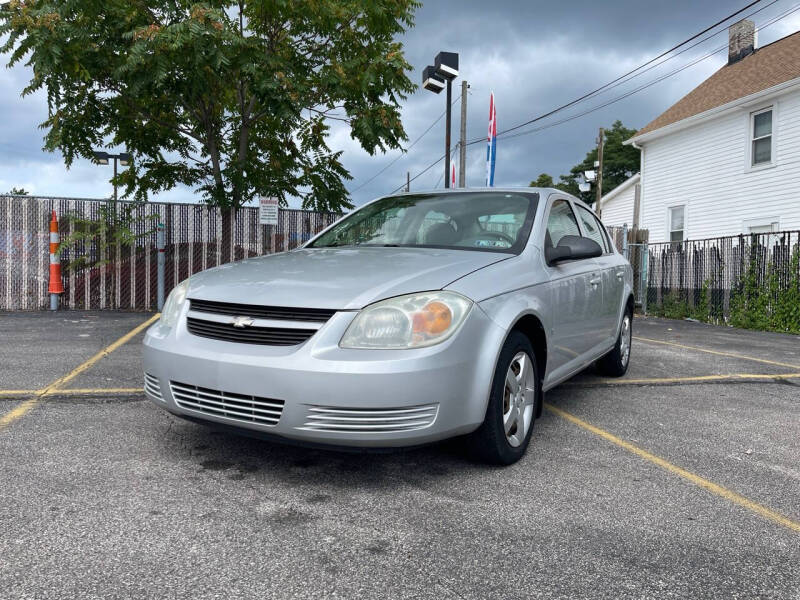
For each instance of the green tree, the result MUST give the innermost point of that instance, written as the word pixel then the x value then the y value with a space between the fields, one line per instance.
pixel 15 191
pixel 232 97
pixel 544 181
pixel 619 163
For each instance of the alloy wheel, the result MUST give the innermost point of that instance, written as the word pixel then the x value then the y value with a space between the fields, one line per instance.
pixel 625 340
pixel 518 399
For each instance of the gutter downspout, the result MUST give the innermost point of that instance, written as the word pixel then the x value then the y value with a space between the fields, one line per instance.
pixel 638 209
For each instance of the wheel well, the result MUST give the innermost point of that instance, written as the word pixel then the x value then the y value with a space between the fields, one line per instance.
pixel 629 304
pixel 531 327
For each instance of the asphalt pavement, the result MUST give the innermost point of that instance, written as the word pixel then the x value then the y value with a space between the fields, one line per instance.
pixel 668 483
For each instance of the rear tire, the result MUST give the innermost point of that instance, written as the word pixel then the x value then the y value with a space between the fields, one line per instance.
pixel 615 363
pixel 506 430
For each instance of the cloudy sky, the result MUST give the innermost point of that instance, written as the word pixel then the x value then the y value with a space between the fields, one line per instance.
pixel 534 55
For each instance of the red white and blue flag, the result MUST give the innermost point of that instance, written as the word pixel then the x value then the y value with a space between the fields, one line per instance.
pixel 491 139
pixel 453 176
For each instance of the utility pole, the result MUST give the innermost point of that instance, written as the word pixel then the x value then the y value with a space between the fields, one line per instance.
pixel 447 134
pixel 599 190
pixel 408 181
pixel 462 148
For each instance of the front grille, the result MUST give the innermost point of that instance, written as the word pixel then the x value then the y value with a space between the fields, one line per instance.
pixel 240 407
pixel 314 315
pixel 152 388
pixel 370 420
pixel 269 336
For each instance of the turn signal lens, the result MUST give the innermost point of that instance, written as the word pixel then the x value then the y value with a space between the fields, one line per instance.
pixel 434 318
pixel 411 321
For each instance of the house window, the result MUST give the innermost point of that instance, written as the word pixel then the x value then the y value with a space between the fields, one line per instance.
pixel 762 137
pixel 677 216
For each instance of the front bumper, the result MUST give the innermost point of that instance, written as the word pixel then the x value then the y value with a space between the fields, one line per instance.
pixel 326 394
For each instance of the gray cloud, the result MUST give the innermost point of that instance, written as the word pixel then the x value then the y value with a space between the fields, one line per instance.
pixel 534 55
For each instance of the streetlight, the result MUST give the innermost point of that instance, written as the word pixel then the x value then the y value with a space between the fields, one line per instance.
pixel 434 79
pixel 102 158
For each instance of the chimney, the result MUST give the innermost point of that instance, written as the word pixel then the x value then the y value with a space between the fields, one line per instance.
pixel 742 40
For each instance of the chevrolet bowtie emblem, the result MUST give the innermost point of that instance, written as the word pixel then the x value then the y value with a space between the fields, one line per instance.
pixel 242 322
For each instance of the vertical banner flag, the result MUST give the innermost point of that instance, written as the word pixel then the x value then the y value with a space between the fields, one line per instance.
pixel 491 139
pixel 453 176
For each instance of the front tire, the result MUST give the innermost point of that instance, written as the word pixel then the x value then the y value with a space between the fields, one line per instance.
pixel 615 363
pixel 506 430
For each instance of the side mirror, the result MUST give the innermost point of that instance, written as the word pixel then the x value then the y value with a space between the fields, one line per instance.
pixel 572 247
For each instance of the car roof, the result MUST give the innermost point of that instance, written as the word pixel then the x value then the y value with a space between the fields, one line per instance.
pixel 540 190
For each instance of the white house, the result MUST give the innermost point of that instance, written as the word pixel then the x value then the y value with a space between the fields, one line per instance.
pixel 618 205
pixel 725 159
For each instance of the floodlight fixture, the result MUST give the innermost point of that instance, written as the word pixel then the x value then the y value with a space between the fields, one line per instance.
pixel 590 175
pixel 103 158
pixel 584 186
pixel 431 81
pixel 446 65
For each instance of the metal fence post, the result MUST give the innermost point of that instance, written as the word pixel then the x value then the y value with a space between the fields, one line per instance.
pixel 643 279
pixel 625 249
pixel 161 243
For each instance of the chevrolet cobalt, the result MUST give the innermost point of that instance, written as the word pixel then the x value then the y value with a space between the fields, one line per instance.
pixel 417 317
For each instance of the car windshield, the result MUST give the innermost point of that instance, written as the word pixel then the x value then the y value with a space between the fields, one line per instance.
pixel 483 221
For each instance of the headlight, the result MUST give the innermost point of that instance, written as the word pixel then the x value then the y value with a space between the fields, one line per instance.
pixel 411 321
pixel 174 303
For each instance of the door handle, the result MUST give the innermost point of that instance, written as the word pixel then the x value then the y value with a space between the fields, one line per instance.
pixel 594 282
pixel 620 275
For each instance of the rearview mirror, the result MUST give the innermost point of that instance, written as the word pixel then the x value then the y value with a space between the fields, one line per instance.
pixel 572 247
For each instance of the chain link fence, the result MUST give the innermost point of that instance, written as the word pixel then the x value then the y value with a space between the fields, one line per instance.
pixel 123 276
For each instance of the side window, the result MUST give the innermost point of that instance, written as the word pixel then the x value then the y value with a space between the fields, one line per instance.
pixel 677 216
pixel 761 132
pixel 593 229
pixel 561 222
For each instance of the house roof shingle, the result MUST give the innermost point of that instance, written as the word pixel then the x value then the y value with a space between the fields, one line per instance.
pixel 768 66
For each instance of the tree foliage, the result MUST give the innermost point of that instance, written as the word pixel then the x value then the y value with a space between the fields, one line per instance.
pixel 232 97
pixel 543 181
pixel 619 163
pixel 15 191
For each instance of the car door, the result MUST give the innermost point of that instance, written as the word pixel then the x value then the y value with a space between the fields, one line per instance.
pixel 576 288
pixel 612 271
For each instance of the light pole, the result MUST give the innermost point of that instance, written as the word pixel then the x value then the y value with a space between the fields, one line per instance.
pixel 434 79
pixel 102 158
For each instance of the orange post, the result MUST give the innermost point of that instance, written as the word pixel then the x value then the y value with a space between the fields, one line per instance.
pixel 56 286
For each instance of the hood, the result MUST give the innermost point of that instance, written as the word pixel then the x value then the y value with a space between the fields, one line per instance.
pixel 336 278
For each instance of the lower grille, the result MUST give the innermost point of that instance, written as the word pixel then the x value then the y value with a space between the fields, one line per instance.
pixel 268 336
pixel 152 388
pixel 241 407
pixel 370 420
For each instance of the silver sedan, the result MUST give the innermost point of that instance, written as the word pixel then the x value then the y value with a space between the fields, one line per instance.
pixel 417 317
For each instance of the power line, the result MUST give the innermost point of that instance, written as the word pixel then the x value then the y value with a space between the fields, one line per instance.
pixel 647 85
pixel 402 154
pixel 593 92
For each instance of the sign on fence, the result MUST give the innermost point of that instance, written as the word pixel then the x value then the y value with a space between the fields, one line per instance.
pixel 268 211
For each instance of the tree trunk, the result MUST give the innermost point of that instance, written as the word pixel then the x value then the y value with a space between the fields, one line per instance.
pixel 228 221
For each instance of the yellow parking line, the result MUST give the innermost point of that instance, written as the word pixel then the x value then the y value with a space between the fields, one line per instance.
pixel 18 392
pixel 695 378
pixel 718 353
pixel 97 357
pixel 17 412
pixel 710 486
pixel 97 391
pixel 51 389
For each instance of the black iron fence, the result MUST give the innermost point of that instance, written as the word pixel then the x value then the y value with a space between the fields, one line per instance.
pixel 122 275
pixel 750 280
